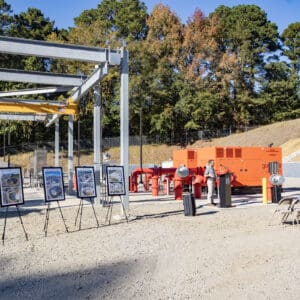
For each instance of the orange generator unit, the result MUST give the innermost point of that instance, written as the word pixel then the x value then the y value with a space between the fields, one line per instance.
pixel 247 164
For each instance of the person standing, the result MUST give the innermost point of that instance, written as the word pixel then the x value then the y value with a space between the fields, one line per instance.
pixel 210 176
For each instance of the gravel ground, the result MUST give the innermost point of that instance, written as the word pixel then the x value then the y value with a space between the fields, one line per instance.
pixel 229 253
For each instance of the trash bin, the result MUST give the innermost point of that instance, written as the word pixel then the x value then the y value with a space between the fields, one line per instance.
pixel 225 190
pixel 189 205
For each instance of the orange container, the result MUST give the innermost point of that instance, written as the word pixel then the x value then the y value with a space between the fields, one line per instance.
pixel 248 164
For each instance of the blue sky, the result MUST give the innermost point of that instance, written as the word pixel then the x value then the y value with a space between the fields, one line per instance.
pixel 281 12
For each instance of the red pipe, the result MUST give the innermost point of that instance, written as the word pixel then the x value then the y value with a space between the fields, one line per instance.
pixel 155 173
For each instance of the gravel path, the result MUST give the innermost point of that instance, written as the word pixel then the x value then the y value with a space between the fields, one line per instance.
pixel 227 253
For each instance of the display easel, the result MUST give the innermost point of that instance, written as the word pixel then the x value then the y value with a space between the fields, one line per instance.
pixel 47 217
pixel 115 187
pixel 5 220
pixel 79 212
pixel 110 203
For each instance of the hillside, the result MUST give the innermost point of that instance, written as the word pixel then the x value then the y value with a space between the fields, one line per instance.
pixel 278 134
pixel 282 134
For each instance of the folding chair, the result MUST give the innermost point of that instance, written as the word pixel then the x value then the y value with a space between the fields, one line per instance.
pixel 284 208
pixel 295 208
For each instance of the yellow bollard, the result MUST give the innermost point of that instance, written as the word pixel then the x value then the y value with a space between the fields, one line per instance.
pixel 264 191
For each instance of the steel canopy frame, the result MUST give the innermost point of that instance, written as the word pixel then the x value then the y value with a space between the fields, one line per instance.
pixel 55 50
pixel 103 57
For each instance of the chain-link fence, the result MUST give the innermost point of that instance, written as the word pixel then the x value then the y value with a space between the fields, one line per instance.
pixel 183 138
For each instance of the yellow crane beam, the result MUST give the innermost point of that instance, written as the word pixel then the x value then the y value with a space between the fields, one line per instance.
pixel 40 108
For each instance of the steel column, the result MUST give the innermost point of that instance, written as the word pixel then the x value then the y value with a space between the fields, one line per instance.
pixel 124 123
pixel 97 141
pixel 70 154
pixel 56 150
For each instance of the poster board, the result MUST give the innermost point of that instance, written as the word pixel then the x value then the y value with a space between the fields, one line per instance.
pixel 85 182
pixel 53 184
pixel 115 180
pixel 11 186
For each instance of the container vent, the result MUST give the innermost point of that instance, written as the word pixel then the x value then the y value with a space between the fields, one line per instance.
pixel 220 152
pixel 238 153
pixel 191 154
pixel 229 152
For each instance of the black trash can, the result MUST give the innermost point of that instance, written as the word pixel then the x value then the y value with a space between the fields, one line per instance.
pixel 189 206
pixel 225 190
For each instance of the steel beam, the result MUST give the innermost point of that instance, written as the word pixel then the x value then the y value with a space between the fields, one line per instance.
pixel 61 51
pixel 40 77
pixel 97 75
pixel 31 101
pixel 23 117
pixel 29 108
pixel 36 91
pixel 80 91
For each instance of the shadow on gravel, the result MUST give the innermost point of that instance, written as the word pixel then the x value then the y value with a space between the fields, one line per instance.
pixel 160 215
pixel 12 212
pixel 100 282
pixel 205 213
pixel 173 213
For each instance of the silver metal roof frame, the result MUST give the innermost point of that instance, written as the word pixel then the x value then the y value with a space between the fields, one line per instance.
pixel 87 54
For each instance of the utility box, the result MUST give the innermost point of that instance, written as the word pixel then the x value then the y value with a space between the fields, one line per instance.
pixel 38 161
pixel 225 190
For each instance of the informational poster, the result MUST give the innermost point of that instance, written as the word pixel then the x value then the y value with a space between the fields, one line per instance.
pixel 115 180
pixel 11 186
pixel 53 184
pixel 85 182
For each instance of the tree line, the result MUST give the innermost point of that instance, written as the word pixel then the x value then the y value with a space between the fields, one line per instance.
pixel 229 69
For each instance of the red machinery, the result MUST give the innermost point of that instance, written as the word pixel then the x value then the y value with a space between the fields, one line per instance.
pixel 247 164
pixel 195 177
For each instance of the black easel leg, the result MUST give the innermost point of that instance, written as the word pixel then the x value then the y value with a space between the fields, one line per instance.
pixel 94 212
pixel 5 218
pixel 79 207
pixel 124 211
pixel 47 218
pixel 80 217
pixel 62 216
pixel 106 216
pixel 26 236
pixel 109 211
